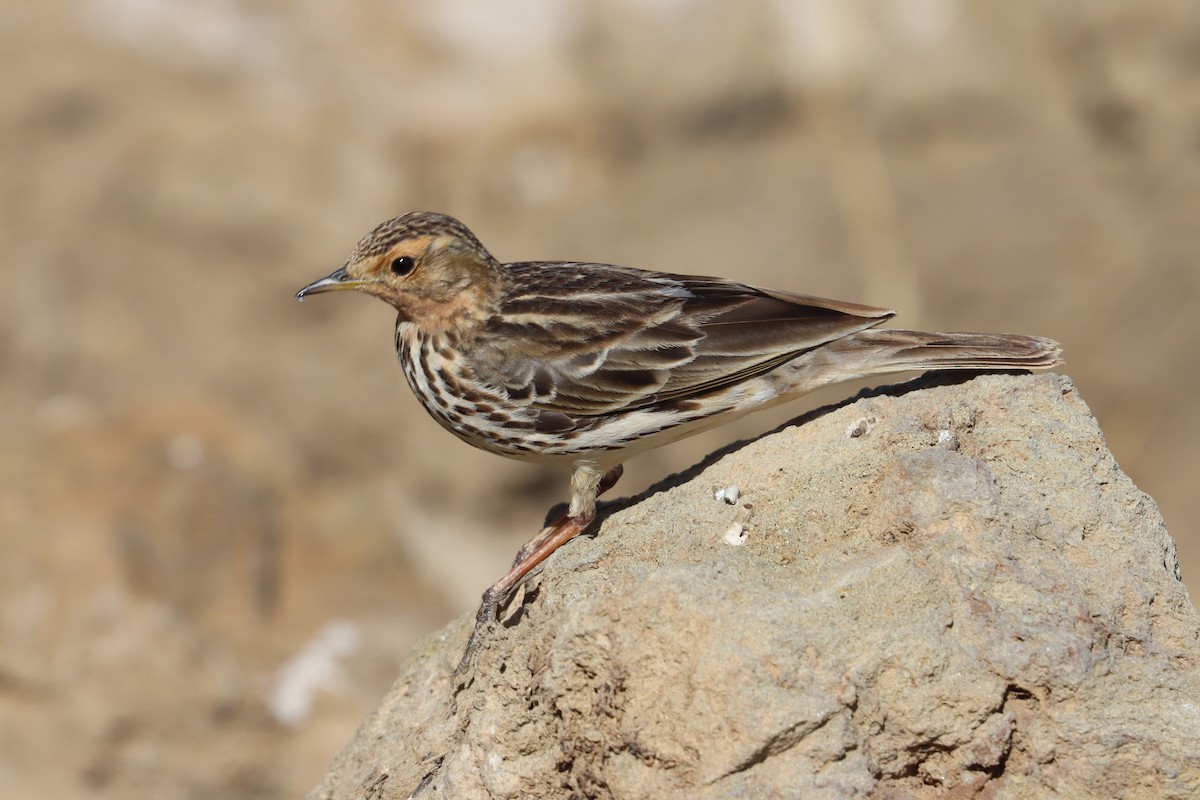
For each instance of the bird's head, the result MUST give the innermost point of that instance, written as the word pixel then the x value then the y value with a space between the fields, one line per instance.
pixel 428 266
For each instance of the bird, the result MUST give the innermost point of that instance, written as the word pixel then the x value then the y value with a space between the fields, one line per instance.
pixel 585 365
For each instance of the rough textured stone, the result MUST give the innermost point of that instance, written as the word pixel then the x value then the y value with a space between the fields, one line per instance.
pixel 951 591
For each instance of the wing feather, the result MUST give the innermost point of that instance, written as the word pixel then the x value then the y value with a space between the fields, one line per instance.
pixel 583 340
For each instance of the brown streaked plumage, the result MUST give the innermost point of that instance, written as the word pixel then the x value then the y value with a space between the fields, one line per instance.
pixel 588 364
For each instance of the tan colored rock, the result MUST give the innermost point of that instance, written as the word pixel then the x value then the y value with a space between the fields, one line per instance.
pixel 953 591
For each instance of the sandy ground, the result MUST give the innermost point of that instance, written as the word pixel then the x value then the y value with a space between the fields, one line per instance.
pixel 223 518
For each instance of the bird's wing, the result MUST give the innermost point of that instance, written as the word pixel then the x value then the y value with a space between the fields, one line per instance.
pixel 582 340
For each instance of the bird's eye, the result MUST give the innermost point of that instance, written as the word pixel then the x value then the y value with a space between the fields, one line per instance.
pixel 402 265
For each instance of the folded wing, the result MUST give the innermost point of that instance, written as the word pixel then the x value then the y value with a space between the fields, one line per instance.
pixel 582 340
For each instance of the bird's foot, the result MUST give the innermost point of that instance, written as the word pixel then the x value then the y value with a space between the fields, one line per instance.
pixel 485 617
pixel 535 551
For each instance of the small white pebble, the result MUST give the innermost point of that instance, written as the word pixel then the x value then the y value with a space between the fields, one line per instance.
pixel 736 535
pixel 947 440
pixel 729 494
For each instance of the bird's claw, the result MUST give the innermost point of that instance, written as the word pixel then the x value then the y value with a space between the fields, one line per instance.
pixel 464 674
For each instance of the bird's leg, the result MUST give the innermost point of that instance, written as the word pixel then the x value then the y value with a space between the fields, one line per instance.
pixel 560 533
pixel 586 486
pixel 607 482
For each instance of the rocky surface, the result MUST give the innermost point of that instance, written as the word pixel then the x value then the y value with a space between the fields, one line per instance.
pixel 945 592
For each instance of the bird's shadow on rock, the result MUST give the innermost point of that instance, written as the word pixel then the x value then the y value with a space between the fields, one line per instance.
pixel 927 380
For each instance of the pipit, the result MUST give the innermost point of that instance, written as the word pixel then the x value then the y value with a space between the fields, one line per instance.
pixel 585 365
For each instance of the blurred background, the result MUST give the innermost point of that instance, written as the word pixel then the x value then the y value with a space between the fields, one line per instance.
pixel 223 518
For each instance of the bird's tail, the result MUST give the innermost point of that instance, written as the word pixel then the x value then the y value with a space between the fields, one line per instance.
pixel 894 351
pixel 872 352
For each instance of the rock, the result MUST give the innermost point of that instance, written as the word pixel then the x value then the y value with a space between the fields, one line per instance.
pixel 945 592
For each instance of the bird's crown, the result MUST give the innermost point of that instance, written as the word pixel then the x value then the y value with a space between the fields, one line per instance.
pixel 428 225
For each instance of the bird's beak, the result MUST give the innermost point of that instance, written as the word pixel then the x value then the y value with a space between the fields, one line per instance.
pixel 335 282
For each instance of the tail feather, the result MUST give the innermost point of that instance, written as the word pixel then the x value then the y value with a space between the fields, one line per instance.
pixel 875 351
pixel 904 350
